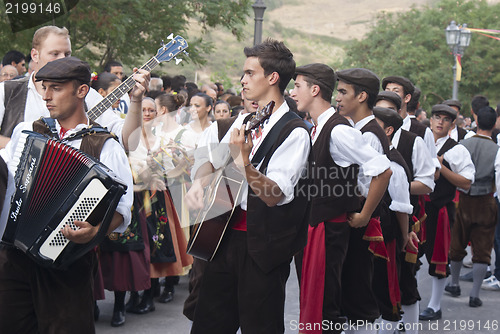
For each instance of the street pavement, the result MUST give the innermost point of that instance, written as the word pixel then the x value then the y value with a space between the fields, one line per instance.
pixel 458 317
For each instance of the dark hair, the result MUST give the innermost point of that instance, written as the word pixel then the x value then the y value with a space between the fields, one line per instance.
pixel 167 82
pixel 219 85
pixel 13 56
pixel 103 81
pixel 478 102
pixel 419 111
pixel 111 63
pixel 274 56
pixel 486 118
pixel 372 96
pixel 178 83
pixel 154 93
pixel 234 100
pixel 222 102
pixel 171 101
pixel 413 104
pixel 208 99
pixel 236 110
pixel 292 104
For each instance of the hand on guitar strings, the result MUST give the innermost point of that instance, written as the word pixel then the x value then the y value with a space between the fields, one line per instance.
pixel 141 78
pixel 243 143
pixel 83 235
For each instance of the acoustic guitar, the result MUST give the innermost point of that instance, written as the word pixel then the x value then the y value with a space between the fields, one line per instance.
pixel 221 197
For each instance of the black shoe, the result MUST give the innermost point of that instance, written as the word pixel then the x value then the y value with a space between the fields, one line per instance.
pixel 453 290
pixel 97 312
pixel 430 314
pixel 118 319
pixel 144 306
pixel 475 302
pixel 166 297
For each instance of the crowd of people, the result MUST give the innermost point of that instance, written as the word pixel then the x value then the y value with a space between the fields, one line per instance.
pixel 345 174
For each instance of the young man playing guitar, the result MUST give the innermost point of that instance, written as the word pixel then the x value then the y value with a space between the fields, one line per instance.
pixel 244 285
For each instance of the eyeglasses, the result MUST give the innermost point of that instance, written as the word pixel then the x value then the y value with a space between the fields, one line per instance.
pixel 446 119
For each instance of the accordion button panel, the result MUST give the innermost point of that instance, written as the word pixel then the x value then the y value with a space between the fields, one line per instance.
pixel 81 210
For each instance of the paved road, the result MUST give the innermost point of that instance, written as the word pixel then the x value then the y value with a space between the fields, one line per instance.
pixel 458 317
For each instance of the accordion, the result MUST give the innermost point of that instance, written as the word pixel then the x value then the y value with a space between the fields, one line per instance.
pixel 57 184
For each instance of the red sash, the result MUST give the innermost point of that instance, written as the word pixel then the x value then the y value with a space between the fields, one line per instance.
pixel 392 277
pixel 373 234
pixel 442 242
pixel 312 285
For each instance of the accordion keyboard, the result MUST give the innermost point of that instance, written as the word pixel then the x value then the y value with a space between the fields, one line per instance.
pixel 86 203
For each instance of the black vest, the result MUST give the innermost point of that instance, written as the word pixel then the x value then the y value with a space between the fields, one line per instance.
pixel 16 92
pixel 461 133
pixel 276 234
pixel 335 185
pixel 417 128
pixel 373 127
pixel 390 225
pixel 444 191
pixel 405 147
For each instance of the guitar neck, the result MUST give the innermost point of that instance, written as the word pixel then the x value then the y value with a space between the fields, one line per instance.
pixel 119 91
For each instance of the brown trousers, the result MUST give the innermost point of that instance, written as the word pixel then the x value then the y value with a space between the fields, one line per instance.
pixel 475 221
pixel 34 299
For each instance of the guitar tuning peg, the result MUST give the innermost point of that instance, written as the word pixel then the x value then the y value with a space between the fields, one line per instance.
pixel 186 53
pixel 171 36
pixel 162 43
pixel 177 60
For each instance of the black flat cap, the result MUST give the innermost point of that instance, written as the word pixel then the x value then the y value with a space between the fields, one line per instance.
pixel 320 74
pixel 389 96
pixel 453 103
pixel 361 77
pixel 405 82
pixel 390 117
pixel 65 69
pixel 444 109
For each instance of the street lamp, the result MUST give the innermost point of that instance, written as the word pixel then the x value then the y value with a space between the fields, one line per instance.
pixel 458 39
pixel 258 7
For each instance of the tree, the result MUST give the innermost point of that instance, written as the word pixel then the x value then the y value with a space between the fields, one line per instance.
pixel 129 30
pixel 413 44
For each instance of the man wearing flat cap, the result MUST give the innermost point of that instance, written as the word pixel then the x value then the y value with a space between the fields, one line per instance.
pixel 457 170
pixel 38 299
pixel 457 133
pixel 357 91
pixel 397 235
pixel 405 89
pixel 476 217
pixel 337 149
pixel 388 99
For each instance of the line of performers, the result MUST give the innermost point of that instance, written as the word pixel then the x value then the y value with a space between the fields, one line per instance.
pixel 380 193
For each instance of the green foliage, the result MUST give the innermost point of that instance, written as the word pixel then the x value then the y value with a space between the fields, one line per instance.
pixel 413 44
pixel 128 30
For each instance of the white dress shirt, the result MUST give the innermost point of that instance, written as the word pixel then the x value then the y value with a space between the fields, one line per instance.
pixel 421 159
pixel 428 139
pixel 285 167
pixel 399 189
pixel 459 159
pixel 112 155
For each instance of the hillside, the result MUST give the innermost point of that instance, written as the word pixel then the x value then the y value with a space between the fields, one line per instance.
pixel 315 31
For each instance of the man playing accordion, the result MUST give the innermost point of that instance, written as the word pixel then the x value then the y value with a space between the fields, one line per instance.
pixel 34 298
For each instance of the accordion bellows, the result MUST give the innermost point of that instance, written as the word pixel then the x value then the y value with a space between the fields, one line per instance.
pixel 57 184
